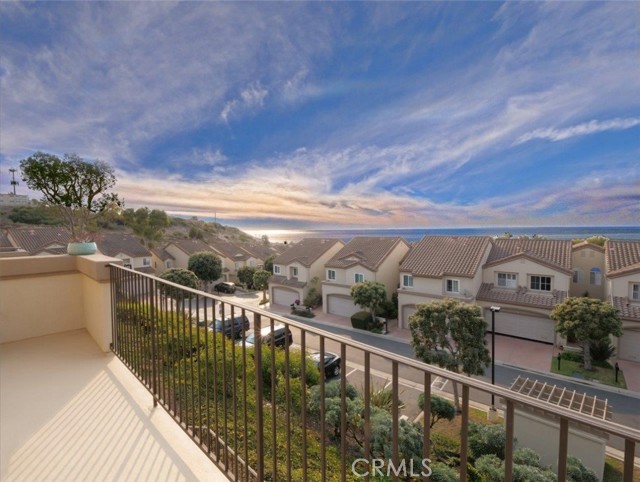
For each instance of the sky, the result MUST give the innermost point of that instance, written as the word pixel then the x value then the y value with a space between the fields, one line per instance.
pixel 287 115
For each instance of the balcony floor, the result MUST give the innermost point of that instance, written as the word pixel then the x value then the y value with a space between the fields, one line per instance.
pixel 70 412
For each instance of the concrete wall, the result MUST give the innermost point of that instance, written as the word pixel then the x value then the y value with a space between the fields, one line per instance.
pixel 621 285
pixel 42 295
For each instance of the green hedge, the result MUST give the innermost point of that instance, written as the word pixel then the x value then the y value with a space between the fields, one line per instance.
pixel 362 320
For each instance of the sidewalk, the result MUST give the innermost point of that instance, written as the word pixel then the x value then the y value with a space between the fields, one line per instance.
pixel 528 355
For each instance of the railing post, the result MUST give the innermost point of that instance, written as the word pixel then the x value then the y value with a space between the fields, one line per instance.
pixel 426 414
pixel 464 433
pixel 629 454
pixel 152 334
pixel 508 441
pixel 259 414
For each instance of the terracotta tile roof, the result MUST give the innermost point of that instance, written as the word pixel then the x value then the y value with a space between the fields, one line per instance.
pixel 520 296
pixel 4 241
pixel 260 251
pixel 110 244
pixel 369 252
pixel 555 253
pixel 622 257
pixel 306 251
pixel 277 279
pixel 628 310
pixel 51 239
pixel 439 256
pixel 191 246
pixel 229 250
pixel 146 269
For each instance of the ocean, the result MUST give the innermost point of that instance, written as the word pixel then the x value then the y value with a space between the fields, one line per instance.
pixel 413 235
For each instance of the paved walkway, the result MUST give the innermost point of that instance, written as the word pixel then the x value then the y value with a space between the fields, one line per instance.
pixel 528 355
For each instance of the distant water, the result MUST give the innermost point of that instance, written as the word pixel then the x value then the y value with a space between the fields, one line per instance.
pixel 412 235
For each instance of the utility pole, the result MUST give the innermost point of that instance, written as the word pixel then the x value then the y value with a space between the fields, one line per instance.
pixel 14 183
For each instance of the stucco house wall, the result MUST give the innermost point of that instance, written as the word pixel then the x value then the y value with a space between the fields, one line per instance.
pixel 584 259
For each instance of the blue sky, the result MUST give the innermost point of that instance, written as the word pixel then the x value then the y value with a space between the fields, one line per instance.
pixel 302 115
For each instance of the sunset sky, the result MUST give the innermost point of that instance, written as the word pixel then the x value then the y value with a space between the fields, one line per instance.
pixel 319 115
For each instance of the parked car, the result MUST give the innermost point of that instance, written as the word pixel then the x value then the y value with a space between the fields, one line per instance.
pixel 225 287
pixel 231 327
pixel 331 363
pixel 281 336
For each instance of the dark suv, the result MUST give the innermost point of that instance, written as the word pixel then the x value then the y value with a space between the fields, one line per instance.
pixel 232 327
pixel 225 287
pixel 281 336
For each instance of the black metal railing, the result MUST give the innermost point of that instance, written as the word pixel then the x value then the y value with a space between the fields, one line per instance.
pixel 265 412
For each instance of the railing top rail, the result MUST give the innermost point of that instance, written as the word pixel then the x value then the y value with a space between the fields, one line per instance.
pixel 609 427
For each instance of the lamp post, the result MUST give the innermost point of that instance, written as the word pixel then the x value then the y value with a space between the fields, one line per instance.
pixel 493 351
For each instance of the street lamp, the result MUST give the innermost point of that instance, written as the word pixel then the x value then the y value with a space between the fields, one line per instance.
pixel 493 351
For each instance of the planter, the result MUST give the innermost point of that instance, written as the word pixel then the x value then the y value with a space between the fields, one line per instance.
pixel 78 249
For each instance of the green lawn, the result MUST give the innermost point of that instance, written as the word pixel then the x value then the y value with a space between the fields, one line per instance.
pixel 574 369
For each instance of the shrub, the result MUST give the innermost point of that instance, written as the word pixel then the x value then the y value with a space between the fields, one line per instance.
pixel 572 356
pixel 361 320
pixel 313 299
pixel 577 472
pixel 441 408
pixel 486 440
pixel 527 473
pixel 601 350
pixel 490 467
pixel 526 456
pixel 442 473
pixel 444 448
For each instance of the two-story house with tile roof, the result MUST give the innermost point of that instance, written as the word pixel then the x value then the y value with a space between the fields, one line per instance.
pixel 439 267
pixel 233 258
pixel 587 262
pixel 362 259
pixel 296 268
pixel 526 278
pixel 127 248
pixel 622 289
pixel 179 251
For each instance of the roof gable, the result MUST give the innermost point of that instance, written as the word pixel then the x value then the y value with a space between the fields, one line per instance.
pixel 622 257
pixel 368 251
pixel 439 256
pixel 307 251
pixel 112 244
pixel 553 253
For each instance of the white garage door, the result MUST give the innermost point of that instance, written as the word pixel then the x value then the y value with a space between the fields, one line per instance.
pixel 341 306
pixel 407 311
pixel 529 327
pixel 629 346
pixel 283 296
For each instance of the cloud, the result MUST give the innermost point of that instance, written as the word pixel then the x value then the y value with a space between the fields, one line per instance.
pixel 585 129
pixel 250 100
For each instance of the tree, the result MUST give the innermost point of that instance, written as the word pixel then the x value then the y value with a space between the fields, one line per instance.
pixel 182 277
pixel 148 224
pixel 261 282
pixel 206 265
pixel 79 189
pixel 586 320
pixel 441 408
pixel 369 295
pixel 450 333
pixel 268 263
pixel 245 275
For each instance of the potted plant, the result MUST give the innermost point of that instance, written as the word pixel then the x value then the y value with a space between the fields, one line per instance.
pixel 79 189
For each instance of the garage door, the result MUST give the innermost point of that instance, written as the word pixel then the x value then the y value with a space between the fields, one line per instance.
pixel 283 296
pixel 629 346
pixel 529 327
pixel 407 311
pixel 341 306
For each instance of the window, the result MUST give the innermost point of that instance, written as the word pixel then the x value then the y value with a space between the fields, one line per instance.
pixel 635 292
pixel 407 281
pixel 236 265
pixel 294 272
pixel 276 269
pixel 577 276
pixel 359 278
pixel 168 263
pixel 453 286
pixel 252 263
pixel 146 262
pixel 595 276
pixel 331 274
pixel 507 280
pixel 540 283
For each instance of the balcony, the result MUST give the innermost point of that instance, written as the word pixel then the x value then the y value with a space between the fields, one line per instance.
pixel 106 375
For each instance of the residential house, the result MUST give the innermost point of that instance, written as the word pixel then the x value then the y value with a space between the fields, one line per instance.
pixel 526 278
pixel 180 251
pixel 297 268
pixel 622 289
pixel 161 260
pixel 127 248
pixel 587 261
pixel 233 258
pixel 362 259
pixel 439 267
pixel 40 241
